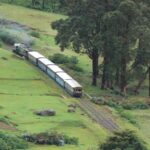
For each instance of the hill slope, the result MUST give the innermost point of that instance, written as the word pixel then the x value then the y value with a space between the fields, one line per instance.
pixel 24 89
pixel 20 94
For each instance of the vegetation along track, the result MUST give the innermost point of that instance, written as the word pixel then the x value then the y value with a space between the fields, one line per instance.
pixel 99 115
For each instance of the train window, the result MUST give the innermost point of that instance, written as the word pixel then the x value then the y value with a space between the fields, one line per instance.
pixel 78 90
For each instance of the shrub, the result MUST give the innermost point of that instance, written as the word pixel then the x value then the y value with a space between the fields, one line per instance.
pixel 70 62
pixel 74 67
pixel 74 60
pixel 59 58
pixel 63 59
pixel 9 142
pixel 126 140
pixel 98 100
pixel 35 34
pixel 126 115
pixel 138 105
pixel 53 138
pixel 3 145
pixel 71 140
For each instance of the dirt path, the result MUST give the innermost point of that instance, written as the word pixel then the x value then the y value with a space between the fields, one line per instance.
pixel 101 116
pixel 4 126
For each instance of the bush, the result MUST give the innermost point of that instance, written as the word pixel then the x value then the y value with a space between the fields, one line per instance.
pixel 126 115
pixel 74 67
pixel 70 62
pixel 53 138
pixel 71 140
pixel 138 105
pixel 63 59
pixel 98 100
pixel 35 34
pixel 74 60
pixel 9 142
pixel 3 145
pixel 126 140
pixel 59 58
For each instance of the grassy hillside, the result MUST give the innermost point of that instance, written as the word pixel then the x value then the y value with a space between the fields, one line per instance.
pixel 20 94
pixel 24 89
pixel 34 19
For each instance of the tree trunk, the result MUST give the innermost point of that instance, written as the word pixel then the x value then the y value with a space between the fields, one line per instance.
pixel 33 3
pixel 117 77
pixel 123 78
pixel 95 57
pixel 104 77
pixel 141 81
pixel 149 79
pixel 43 4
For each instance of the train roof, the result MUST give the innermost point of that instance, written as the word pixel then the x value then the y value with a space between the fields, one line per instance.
pixel 46 61
pixel 36 54
pixel 55 68
pixel 73 83
pixel 64 76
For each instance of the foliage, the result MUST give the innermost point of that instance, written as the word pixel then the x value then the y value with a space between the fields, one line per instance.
pixel 126 140
pixel 35 34
pixel 70 62
pixel 109 29
pixel 53 138
pixel 136 105
pixel 9 142
pixel 74 67
pixel 59 58
pixel 71 140
pixel 126 115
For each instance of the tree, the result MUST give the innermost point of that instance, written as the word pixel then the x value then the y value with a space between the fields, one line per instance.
pixel 119 36
pixel 126 140
pixel 142 62
pixel 109 29
pixel 143 56
pixel 81 30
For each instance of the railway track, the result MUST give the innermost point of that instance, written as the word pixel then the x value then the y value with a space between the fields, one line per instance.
pixel 102 117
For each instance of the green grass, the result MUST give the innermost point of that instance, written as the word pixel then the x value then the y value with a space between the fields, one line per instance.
pixel 25 89
pixel 19 98
pixel 35 19
pixel 142 119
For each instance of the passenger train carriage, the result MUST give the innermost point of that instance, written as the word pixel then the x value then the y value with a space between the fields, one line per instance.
pixel 51 69
pixel 43 63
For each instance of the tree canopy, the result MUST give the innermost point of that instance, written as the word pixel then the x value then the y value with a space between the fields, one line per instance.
pixel 116 30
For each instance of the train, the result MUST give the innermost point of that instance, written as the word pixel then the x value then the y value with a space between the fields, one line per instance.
pixel 50 68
